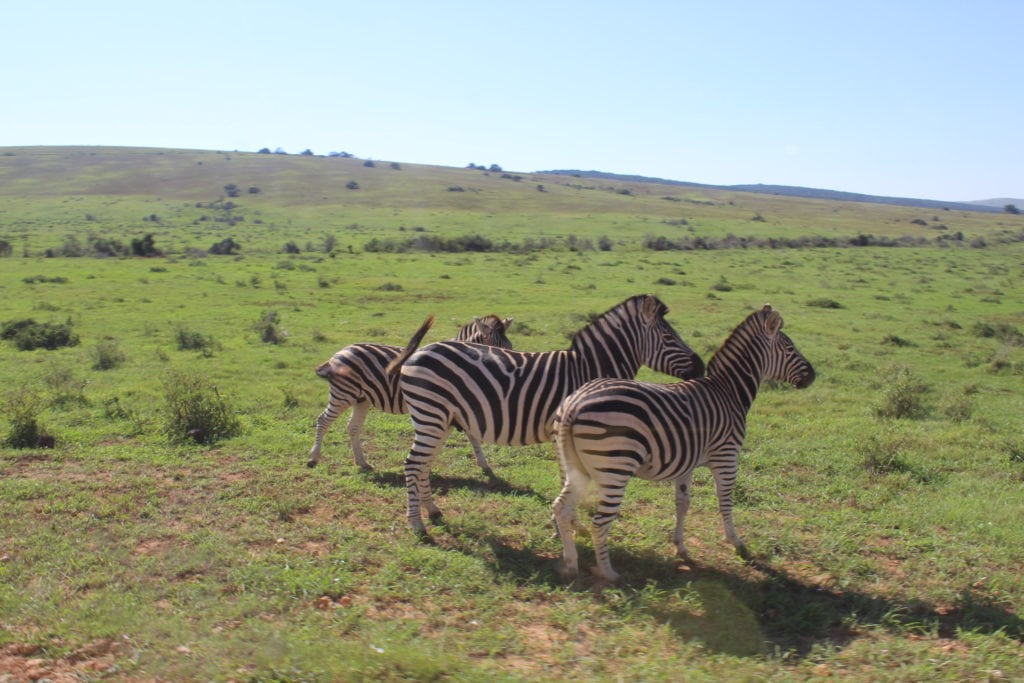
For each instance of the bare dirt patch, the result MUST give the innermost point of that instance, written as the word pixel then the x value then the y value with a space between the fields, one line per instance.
pixel 27 662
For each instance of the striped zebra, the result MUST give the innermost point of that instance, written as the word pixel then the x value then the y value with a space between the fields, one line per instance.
pixel 612 430
pixel 358 380
pixel 509 397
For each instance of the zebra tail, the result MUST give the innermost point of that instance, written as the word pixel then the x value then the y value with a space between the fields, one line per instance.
pixel 396 365
pixel 573 470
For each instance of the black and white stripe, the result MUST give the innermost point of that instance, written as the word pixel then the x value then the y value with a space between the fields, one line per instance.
pixel 358 379
pixel 612 430
pixel 510 397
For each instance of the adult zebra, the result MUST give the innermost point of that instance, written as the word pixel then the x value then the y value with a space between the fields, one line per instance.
pixel 358 379
pixel 612 430
pixel 510 397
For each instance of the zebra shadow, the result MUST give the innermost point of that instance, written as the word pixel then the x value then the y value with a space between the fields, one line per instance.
pixel 441 483
pixel 757 609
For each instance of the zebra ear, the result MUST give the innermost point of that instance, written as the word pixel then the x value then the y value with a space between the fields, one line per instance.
pixel 773 323
pixel 507 322
pixel 482 325
pixel 652 308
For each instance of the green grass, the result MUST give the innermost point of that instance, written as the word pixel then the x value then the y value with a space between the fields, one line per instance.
pixel 884 548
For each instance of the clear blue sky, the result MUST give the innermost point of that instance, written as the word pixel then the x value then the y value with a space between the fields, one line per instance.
pixel 905 98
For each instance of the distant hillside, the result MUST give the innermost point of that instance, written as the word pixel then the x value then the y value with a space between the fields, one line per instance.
pixel 1000 203
pixel 991 205
pixel 66 199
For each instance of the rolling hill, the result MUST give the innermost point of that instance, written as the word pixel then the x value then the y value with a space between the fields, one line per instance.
pixel 186 197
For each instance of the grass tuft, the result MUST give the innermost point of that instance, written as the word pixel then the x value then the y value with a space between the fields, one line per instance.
pixel 196 411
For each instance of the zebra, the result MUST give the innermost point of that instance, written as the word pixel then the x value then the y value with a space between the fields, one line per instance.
pixel 358 380
pixel 611 430
pixel 509 397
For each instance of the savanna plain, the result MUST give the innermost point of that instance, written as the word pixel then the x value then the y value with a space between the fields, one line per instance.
pixel 882 506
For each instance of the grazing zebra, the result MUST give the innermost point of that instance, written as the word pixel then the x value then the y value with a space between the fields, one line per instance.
pixel 358 379
pixel 509 397
pixel 611 430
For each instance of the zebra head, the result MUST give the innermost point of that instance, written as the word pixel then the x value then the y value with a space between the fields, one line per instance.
pixel 661 347
pixel 490 330
pixel 783 362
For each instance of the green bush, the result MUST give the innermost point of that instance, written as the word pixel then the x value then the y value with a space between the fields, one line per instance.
pixel 269 331
pixel 27 334
pixel 903 395
pixel 22 408
pixel 192 340
pixel 107 355
pixel 196 411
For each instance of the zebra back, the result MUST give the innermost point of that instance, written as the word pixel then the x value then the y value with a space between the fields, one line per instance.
pixel 509 397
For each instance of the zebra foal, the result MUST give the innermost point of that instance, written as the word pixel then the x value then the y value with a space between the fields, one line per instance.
pixel 612 430
pixel 509 397
pixel 358 379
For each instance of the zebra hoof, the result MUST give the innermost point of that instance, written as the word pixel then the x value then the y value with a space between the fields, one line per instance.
pixel 311 463
pixel 567 573
pixel 436 516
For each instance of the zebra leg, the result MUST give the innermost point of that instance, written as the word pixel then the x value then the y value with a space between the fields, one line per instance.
pixel 323 423
pixel 417 476
pixel 610 498
pixel 479 453
pixel 355 426
pixel 564 516
pixel 682 507
pixel 724 472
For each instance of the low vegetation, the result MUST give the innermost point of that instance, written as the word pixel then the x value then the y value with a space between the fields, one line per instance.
pixel 159 522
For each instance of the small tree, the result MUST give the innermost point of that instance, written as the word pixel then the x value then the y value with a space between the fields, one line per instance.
pixel 1011 208
pixel 232 190
pixel 226 247
pixel 196 411
pixel 145 246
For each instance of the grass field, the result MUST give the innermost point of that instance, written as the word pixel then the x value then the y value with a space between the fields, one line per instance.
pixel 882 506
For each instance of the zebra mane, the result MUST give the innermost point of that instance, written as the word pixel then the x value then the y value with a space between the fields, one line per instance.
pixel 758 317
pixel 633 305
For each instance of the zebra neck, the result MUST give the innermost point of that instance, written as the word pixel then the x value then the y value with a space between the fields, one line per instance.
pixel 597 360
pixel 740 376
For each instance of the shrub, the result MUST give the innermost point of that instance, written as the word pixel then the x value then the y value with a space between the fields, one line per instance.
pixel 1008 334
pixel 958 408
pixel 902 395
pixel 195 410
pixel 226 247
pixel 67 387
pixel 22 409
pixel 191 340
pixel 722 285
pixel 883 453
pixel 894 340
pixel 27 334
pixel 107 355
pixel 268 329
pixel 824 303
